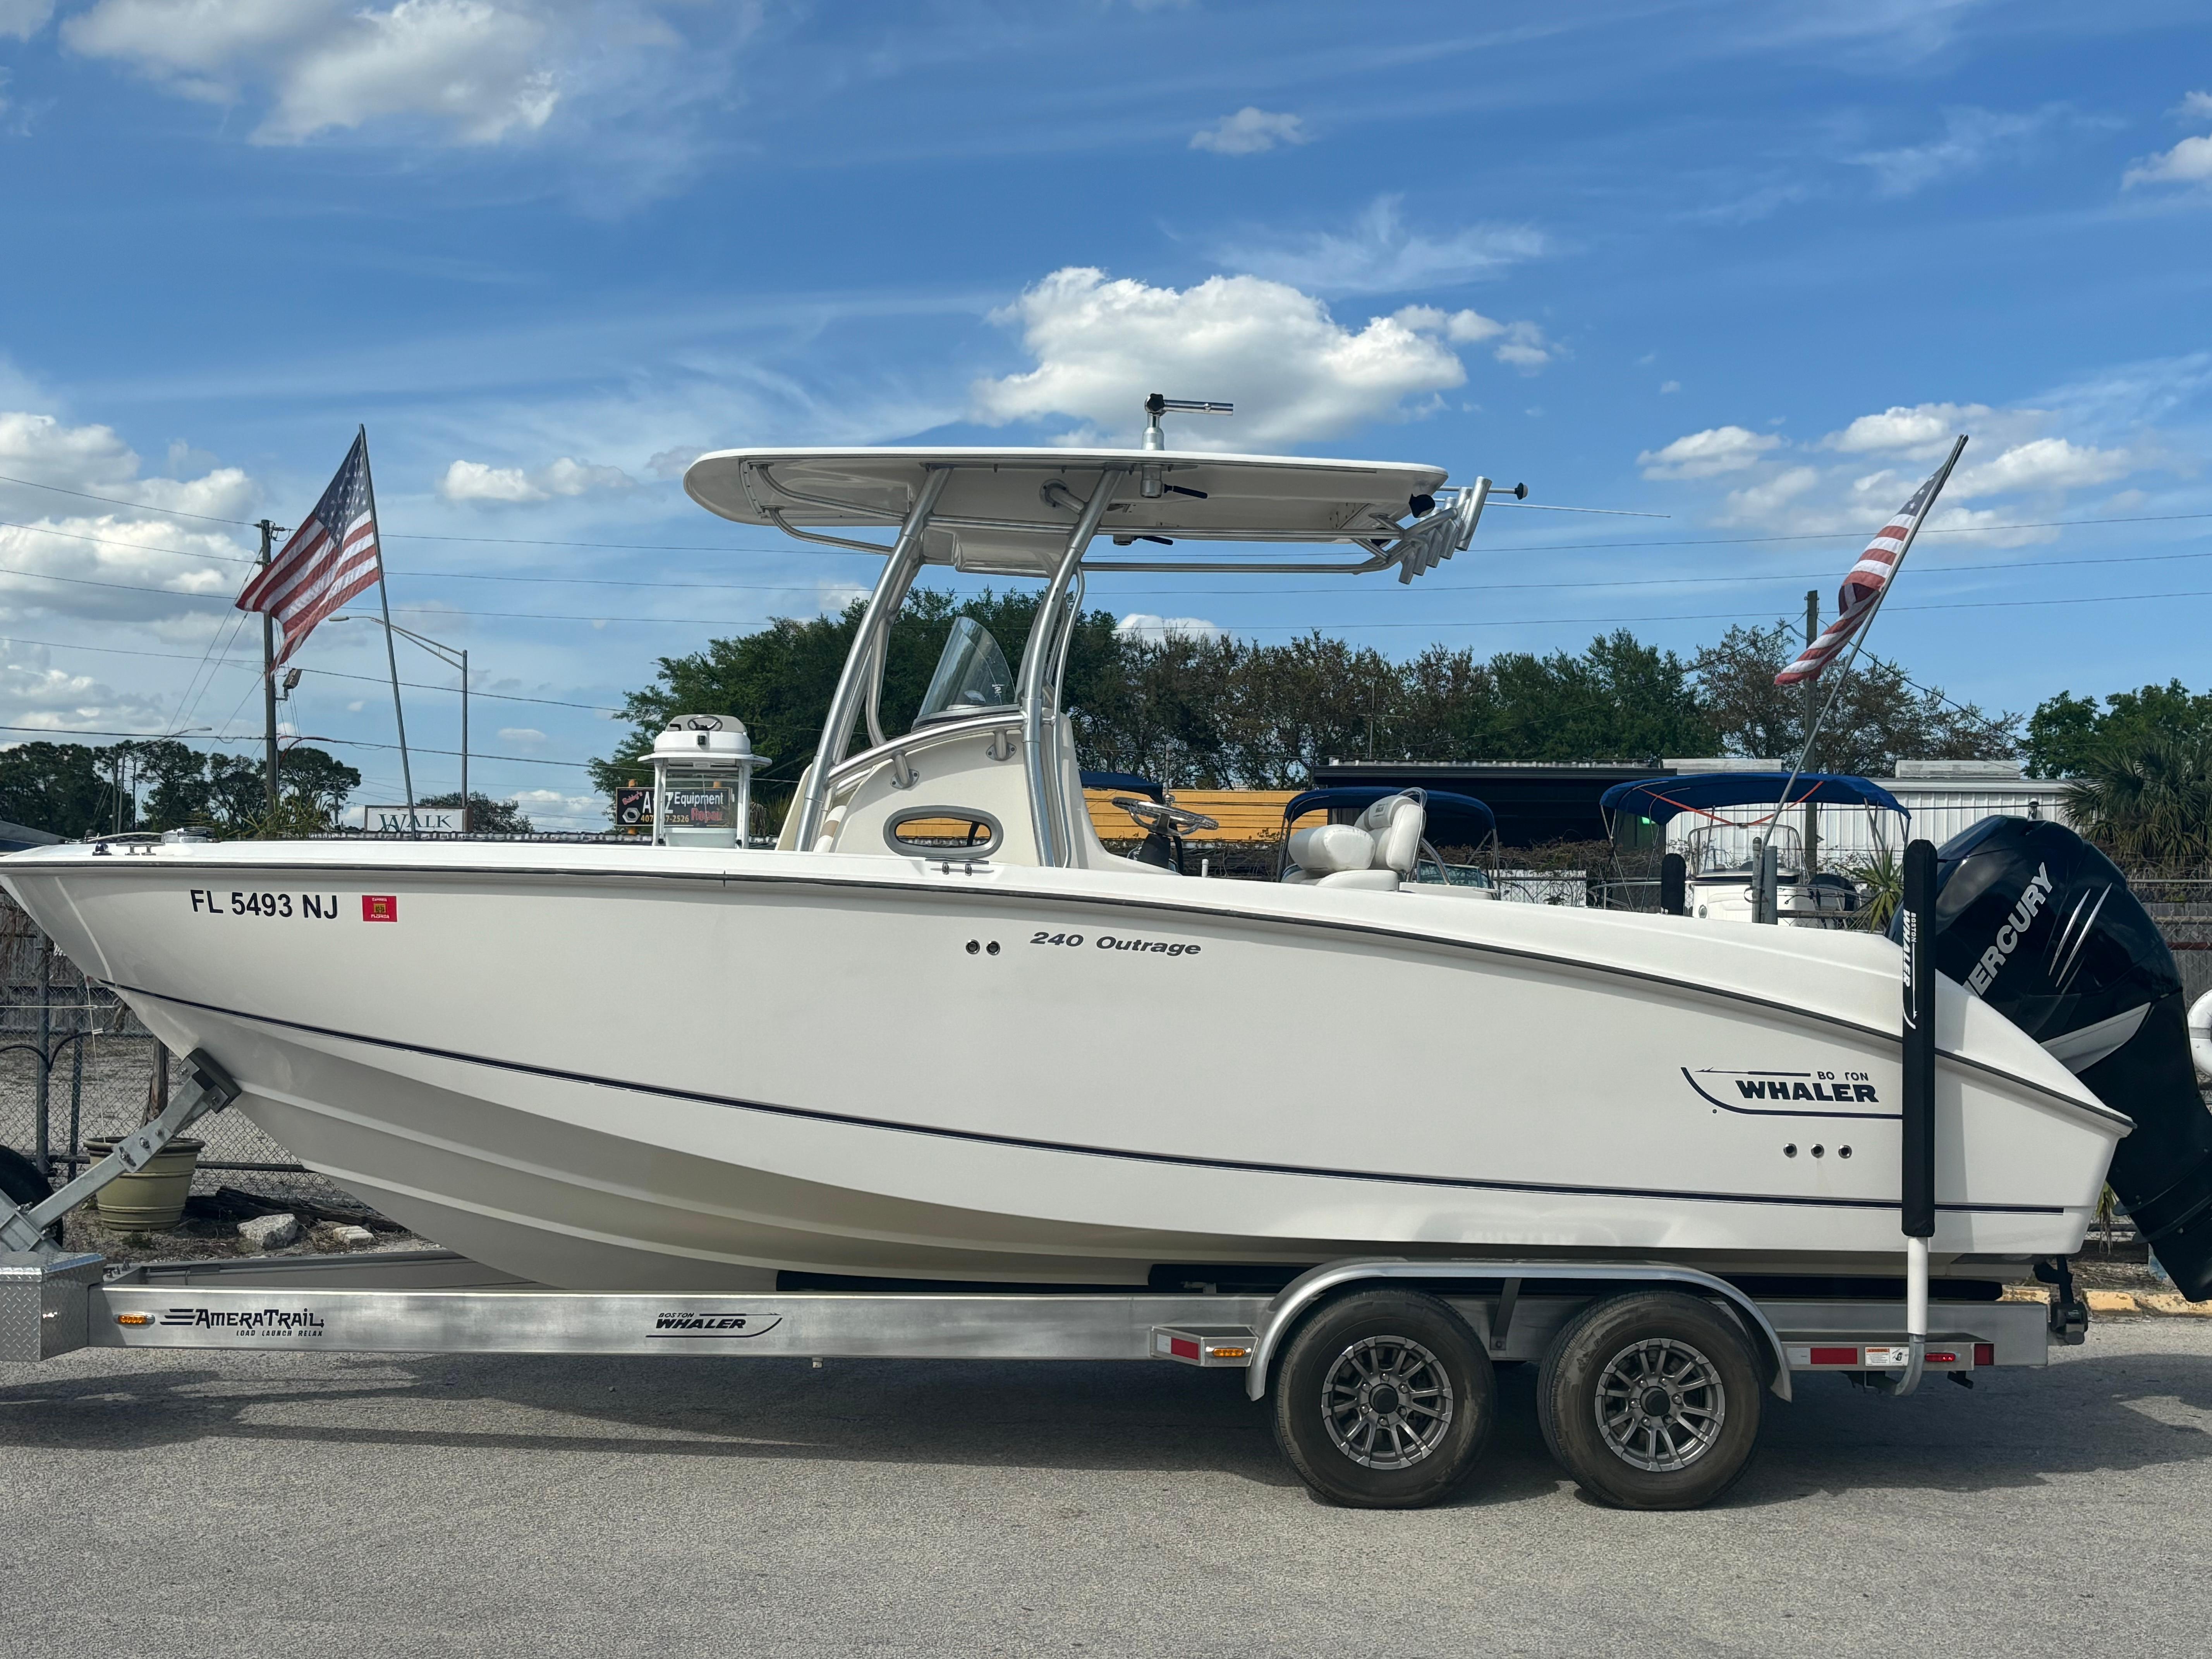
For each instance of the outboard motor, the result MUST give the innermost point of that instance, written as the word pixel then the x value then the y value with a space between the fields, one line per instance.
pixel 2041 926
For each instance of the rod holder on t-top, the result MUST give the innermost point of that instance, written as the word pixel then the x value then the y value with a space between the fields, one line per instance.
pixel 1916 1140
pixel 1156 406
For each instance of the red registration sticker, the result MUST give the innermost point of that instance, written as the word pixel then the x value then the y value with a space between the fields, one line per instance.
pixel 379 907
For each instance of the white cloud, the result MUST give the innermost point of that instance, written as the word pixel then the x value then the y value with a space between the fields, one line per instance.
pixel 1142 625
pixel 1381 256
pixel 1704 454
pixel 628 82
pixel 24 18
pixel 1972 139
pixel 1923 431
pixel 2189 162
pixel 1250 131
pixel 2044 463
pixel 1523 346
pixel 521 737
pixel 474 480
pixel 1758 503
pixel 1666 386
pixel 34 692
pixel 549 809
pixel 1294 372
pixel 67 554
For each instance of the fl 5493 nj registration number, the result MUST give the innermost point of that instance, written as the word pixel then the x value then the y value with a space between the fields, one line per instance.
pixel 311 907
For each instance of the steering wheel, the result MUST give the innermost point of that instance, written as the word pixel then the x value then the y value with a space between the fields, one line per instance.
pixel 1151 815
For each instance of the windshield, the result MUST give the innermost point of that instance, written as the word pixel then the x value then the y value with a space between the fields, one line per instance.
pixel 972 675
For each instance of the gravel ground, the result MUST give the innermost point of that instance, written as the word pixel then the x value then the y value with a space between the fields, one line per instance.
pixel 187 1504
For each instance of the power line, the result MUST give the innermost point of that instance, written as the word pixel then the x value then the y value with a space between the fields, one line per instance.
pixel 118 500
pixel 341 743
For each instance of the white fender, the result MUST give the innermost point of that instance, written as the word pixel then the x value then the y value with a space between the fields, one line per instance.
pixel 2199 1035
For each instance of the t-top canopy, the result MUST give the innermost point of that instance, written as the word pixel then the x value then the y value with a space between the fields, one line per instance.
pixel 1011 511
pixel 1661 799
pixel 1453 820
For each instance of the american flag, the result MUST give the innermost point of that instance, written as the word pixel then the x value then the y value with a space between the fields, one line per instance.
pixel 329 559
pixel 1863 585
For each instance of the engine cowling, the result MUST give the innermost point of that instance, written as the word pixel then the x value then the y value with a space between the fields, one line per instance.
pixel 2041 926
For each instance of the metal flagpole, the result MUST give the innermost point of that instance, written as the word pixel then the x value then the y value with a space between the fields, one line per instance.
pixel 269 680
pixel 391 651
pixel 1942 477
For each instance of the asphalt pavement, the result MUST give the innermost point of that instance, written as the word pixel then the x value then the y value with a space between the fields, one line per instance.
pixel 351 1506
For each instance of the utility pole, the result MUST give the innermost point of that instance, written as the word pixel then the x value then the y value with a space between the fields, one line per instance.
pixel 269 682
pixel 1812 812
pixel 465 824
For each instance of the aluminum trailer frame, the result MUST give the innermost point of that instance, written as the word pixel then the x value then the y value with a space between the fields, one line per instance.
pixel 439 1302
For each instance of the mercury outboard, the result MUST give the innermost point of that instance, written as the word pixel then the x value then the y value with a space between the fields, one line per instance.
pixel 2041 926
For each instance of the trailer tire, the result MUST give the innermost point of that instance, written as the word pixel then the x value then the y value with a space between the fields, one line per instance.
pixel 1384 1399
pixel 1651 1400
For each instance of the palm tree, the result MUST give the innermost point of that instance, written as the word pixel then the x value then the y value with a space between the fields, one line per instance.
pixel 2148 799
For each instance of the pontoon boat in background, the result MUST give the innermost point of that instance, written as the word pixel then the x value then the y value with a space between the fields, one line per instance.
pixel 1757 868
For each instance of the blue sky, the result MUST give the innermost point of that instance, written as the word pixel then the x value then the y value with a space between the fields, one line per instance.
pixel 1744 265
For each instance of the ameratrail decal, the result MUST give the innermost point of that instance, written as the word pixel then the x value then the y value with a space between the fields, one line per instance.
pixel 725 1325
pixel 2015 930
pixel 247 1322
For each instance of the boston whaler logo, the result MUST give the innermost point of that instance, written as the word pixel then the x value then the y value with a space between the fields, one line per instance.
pixel 2015 930
pixel 1766 1093
pixel 722 1325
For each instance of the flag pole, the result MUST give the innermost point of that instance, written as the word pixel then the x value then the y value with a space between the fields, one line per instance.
pixel 1858 639
pixel 269 683
pixel 391 651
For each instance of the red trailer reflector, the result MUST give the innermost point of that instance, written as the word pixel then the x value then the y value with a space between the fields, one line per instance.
pixel 1986 1353
pixel 1941 1357
pixel 1835 1357
pixel 1182 1347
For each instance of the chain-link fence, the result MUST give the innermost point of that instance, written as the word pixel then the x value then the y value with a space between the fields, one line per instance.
pixel 76 1064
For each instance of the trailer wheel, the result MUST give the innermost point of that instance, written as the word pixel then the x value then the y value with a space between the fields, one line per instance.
pixel 1651 1400
pixel 1384 1399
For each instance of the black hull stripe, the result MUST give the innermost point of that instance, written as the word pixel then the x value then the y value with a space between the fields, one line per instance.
pixel 1263 918
pixel 1026 1143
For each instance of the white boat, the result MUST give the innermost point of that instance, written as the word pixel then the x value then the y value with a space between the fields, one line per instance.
pixel 940 1033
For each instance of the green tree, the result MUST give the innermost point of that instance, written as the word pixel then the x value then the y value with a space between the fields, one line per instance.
pixel 66 788
pixel 2066 732
pixel 1878 716
pixel 2145 798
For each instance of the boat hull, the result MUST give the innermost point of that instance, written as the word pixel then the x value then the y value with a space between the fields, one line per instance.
pixel 609 1069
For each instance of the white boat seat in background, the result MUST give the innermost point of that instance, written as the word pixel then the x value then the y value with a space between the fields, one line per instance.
pixel 1376 854
pixel 1397 823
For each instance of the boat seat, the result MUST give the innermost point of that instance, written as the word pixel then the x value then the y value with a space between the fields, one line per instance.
pixel 1377 853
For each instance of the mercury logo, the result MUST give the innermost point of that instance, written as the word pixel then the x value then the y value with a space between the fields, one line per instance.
pixel 2015 930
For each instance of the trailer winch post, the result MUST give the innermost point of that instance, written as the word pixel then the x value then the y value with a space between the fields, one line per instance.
pixel 24 1227
pixel 1917 1171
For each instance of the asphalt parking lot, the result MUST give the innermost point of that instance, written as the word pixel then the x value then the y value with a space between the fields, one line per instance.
pixel 190 1504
